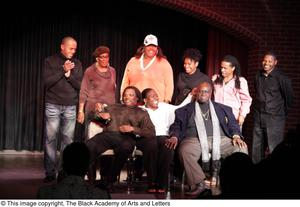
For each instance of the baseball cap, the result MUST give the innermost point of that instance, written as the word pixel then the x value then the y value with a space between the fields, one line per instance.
pixel 150 40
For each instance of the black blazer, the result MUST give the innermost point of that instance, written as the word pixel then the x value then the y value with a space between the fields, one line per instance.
pixel 224 114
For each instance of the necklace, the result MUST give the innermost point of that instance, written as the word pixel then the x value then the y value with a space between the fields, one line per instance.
pixel 148 65
pixel 227 80
pixel 205 115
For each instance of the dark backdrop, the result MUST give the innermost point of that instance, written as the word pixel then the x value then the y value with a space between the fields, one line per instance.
pixel 27 37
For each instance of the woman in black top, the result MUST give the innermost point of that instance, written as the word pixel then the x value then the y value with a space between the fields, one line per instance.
pixel 191 77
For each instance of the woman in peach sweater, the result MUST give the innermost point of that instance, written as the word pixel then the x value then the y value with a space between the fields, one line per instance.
pixel 149 68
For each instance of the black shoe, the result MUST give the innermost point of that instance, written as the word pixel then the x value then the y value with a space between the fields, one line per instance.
pixel 151 188
pixel 49 178
pixel 110 188
pixel 197 191
pixel 105 186
pixel 61 175
pixel 206 194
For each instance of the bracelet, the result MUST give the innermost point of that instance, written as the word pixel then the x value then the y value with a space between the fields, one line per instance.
pixel 80 111
pixel 235 136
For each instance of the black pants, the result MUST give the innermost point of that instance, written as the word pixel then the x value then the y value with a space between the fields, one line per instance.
pixel 164 160
pixel 160 164
pixel 268 132
pixel 123 146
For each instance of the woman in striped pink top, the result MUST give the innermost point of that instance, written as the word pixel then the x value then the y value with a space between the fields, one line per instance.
pixel 231 89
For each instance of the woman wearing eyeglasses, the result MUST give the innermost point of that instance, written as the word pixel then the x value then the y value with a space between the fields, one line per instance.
pixel 98 86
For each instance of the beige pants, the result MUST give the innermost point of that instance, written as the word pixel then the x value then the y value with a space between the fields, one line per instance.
pixel 190 153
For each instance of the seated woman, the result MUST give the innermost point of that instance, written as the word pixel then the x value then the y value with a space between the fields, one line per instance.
pixel 162 115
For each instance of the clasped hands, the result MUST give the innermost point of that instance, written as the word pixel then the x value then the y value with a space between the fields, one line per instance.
pixel 68 66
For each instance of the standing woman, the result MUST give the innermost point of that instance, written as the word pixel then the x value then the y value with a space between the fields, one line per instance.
pixel 149 68
pixel 98 87
pixel 191 77
pixel 231 89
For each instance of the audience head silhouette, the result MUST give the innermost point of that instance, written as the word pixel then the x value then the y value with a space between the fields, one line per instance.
pixel 76 159
pixel 235 176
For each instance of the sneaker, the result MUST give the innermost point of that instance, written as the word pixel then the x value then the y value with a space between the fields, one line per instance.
pixel 49 178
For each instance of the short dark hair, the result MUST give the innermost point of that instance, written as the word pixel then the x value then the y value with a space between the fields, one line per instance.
pixel 271 53
pixel 145 92
pixel 76 157
pixel 137 92
pixel 193 54
pixel 100 50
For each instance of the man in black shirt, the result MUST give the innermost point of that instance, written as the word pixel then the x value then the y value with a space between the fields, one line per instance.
pixel 62 77
pixel 274 95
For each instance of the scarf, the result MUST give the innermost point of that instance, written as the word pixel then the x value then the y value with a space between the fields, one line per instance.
pixel 203 136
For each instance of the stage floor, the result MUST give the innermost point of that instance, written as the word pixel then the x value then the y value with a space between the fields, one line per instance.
pixel 21 175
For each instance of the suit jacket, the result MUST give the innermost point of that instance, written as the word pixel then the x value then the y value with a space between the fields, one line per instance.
pixel 224 113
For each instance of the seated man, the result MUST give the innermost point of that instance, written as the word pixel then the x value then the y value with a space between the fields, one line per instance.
pixel 125 125
pixel 75 165
pixel 204 126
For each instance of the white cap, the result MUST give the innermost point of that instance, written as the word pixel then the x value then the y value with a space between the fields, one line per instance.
pixel 150 40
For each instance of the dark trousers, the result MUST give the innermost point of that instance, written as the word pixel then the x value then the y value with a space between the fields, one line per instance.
pixel 123 146
pixel 149 148
pixel 159 162
pixel 268 132
pixel 165 157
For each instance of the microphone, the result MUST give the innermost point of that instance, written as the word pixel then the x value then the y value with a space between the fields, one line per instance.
pixel 104 108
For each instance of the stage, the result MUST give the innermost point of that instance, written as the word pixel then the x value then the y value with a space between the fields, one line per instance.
pixel 21 174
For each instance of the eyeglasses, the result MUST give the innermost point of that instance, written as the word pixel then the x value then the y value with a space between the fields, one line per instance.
pixel 204 91
pixel 103 56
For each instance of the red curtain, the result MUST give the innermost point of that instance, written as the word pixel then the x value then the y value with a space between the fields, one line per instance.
pixel 221 44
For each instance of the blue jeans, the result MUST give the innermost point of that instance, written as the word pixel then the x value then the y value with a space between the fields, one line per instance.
pixel 58 118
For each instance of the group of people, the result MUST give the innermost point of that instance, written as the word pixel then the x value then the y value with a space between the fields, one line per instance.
pixel 205 122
